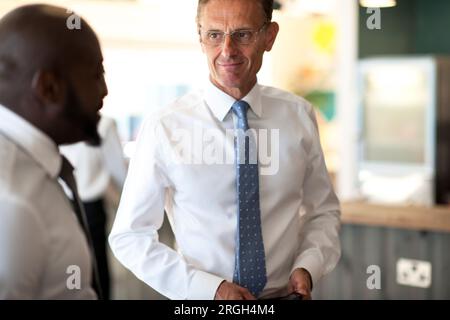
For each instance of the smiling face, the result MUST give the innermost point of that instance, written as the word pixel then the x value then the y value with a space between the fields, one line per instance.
pixel 233 67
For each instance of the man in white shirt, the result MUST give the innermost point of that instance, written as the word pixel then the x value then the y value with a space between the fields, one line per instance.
pixel 240 234
pixel 51 89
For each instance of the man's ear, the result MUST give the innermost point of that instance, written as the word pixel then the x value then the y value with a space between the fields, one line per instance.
pixel 48 87
pixel 272 31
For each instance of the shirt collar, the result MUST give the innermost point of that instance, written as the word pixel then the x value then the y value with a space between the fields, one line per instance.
pixel 33 141
pixel 220 103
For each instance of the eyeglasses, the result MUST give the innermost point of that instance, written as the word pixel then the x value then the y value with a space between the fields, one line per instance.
pixel 240 37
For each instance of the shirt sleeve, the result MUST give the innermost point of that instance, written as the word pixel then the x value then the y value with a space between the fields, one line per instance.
pixel 22 251
pixel 320 248
pixel 113 154
pixel 134 236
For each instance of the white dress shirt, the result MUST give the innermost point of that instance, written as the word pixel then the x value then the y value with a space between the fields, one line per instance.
pixel 300 213
pixel 96 166
pixel 41 242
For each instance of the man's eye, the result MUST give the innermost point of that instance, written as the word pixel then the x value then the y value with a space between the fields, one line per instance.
pixel 244 35
pixel 213 35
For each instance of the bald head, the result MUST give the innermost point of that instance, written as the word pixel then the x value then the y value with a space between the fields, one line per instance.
pixel 37 36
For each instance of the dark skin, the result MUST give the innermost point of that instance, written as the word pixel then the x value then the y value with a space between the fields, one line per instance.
pixel 51 76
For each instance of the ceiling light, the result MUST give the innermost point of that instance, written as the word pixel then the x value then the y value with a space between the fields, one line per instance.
pixel 378 3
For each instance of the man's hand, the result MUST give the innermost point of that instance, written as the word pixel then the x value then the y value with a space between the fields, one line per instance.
pixel 300 282
pixel 231 291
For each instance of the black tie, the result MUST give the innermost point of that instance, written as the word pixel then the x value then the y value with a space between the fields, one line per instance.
pixel 67 176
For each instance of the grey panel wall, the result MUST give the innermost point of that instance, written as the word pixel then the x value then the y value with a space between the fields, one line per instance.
pixel 363 246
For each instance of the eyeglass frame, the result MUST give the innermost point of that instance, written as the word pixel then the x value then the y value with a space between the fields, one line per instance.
pixel 257 32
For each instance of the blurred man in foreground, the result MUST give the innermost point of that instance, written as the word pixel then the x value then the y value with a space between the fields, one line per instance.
pixel 51 89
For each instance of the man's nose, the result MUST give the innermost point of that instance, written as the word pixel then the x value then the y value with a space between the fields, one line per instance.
pixel 229 47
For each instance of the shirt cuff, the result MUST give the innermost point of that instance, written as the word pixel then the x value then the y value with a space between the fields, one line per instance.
pixel 312 264
pixel 204 286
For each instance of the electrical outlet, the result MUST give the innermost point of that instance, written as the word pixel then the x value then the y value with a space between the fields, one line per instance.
pixel 415 273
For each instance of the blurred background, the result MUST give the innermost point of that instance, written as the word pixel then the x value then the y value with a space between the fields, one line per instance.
pixel 380 82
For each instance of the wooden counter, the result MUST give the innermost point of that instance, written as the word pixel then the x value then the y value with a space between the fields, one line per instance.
pixel 406 217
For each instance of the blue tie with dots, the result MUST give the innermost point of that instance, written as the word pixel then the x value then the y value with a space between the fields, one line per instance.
pixel 250 263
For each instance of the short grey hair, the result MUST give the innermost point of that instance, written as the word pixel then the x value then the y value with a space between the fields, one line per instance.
pixel 267 6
